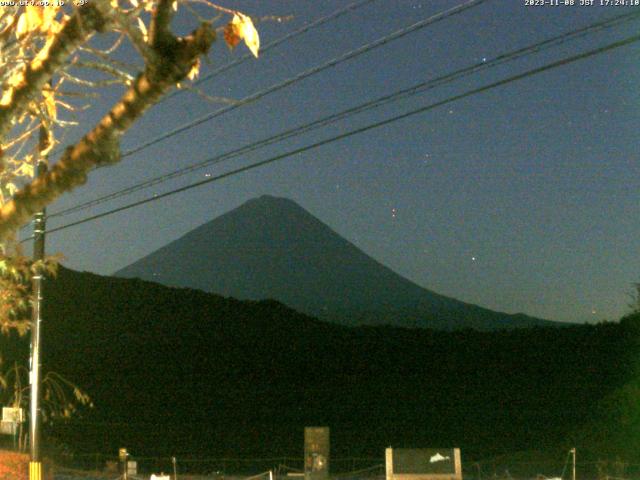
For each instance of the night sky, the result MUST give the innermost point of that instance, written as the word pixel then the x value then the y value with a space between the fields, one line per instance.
pixel 520 199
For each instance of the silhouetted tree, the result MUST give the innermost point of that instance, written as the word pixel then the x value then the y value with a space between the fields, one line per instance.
pixel 50 66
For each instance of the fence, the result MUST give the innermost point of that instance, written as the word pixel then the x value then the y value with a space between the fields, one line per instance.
pixel 546 470
pixel 220 468
pixel 100 466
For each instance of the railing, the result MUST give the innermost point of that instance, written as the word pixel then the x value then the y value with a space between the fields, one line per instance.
pixel 103 466
pixel 217 468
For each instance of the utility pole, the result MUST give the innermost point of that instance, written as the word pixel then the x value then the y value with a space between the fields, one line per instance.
pixel 573 451
pixel 35 463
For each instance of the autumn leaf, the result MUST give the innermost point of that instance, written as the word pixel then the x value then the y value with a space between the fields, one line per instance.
pixel 143 29
pixel 241 28
pixel 12 83
pixel 49 19
pixel 230 36
pixel 195 70
pixel 11 188
pixel 36 18
pixel 25 170
pixel 29 21
pixel 49 102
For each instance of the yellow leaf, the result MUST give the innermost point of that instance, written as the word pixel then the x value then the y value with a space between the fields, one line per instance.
pixel 36 18
pixel 9 19
pixel 48 19
pixel 195 70
pixel 7 97
pixel 49 103
pixel 22 28
pixel 241 28
pixel 25 170
pixel 143 29
pixel 15 80
pixel 43 54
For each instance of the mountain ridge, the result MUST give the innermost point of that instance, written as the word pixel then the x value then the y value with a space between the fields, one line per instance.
pixel 271 247
pixel 172 368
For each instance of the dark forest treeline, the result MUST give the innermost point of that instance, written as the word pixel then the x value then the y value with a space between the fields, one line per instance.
pixel 176 371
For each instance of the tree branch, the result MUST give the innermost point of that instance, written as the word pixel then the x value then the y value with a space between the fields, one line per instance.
pixel 92 17
pixel 101 145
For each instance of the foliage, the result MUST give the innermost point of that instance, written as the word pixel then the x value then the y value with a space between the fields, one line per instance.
pixel 230 378
pixel 15 276
pixel 54 64
pixel 60 398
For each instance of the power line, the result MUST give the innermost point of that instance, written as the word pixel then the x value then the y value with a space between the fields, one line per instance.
pixel 316 23
pixel 404 93
pixel 265 48
pixel 307 73
pixel 528 73
pixel 312 71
